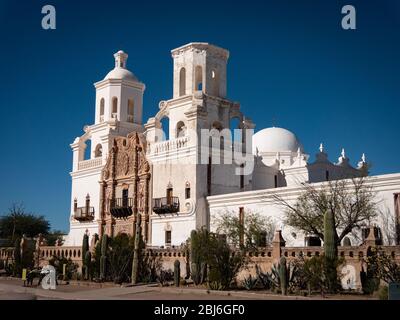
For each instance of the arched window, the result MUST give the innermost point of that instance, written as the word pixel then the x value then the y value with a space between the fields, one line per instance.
pixel 114 111
pixel 182 82
pixel 130 110
pixel 98 152
pixel 101 109
pixel 215 83
pixel 180 129
pixel 199 78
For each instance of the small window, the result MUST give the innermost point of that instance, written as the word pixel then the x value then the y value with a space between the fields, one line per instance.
pixel 187 193
pixel 275 181
pixel 327 175
pixel 168 238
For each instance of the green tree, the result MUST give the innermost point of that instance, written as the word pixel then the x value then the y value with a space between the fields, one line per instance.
pixel 256 230
pixel 17 222
pixel 55 236
pixel 352 202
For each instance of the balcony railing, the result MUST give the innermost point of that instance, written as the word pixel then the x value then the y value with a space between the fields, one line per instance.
pixel 90 163
pixel 166 205
pixel 130 118
pixel 121 207
pixel 84 213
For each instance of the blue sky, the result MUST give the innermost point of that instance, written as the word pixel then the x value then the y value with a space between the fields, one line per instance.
pixel 290 61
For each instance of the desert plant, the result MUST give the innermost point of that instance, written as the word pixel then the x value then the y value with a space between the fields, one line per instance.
pixel 88 262
pixel 283 275
pixel 250 282
pixel 103 257
pixel 198 254
pixel 120 257
pixel 383 293
pixel 165 276
pixel 263 278
pixel 85 248
pixel 215 285
pixel 330 251
pixel 71 268
pixel 177 272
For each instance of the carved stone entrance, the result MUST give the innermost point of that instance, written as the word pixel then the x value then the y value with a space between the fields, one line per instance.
pixel 125 187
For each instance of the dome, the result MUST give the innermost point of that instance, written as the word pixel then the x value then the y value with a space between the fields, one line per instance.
pixel 121 73
pixel 275 140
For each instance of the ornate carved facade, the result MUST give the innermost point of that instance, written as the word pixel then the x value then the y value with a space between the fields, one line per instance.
pixel 125 184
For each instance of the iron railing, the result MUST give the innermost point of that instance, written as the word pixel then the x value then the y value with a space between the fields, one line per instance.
pixel 84 213
pixel 166 205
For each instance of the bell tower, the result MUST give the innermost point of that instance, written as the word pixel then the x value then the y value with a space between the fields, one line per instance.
pixel 119 96
pixel 200 67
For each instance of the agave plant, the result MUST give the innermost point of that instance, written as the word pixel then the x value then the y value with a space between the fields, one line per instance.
pixel 271 280
pixel 250 282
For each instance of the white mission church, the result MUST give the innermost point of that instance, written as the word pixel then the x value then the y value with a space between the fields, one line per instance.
pixel 132 168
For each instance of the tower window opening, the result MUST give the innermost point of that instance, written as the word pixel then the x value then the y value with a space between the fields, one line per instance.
pixel 199 78
pixel 180 129
pixel 98 152
pixel 102 110
pixel 114 107
pixel 327 175
pixel 182 82
pixel 275 181
pixel 130 110
pixel 215 83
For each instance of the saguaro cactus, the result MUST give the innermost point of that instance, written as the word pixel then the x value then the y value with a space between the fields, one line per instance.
pixel 330 248
pixel 177 272
pixel 135 262
pixel 85 247
pixel 198 265
pixel 103 258
pixel 283 275
pixel 88 260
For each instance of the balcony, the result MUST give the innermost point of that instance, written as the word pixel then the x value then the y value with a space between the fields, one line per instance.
pixel 130 118
pixel 90 163
pixel 84 213
pixel 121 207
pixel 166 205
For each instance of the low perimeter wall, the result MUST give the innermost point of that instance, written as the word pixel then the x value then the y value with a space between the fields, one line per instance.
pixel 264 258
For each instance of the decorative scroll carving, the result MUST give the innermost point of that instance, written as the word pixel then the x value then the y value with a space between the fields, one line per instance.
pixel 126 166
